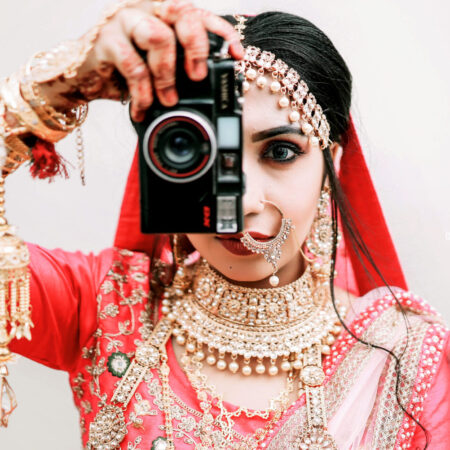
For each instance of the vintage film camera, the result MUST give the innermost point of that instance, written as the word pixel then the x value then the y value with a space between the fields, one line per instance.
pixel 190 155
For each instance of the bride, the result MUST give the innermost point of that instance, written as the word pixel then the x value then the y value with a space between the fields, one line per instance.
pixel 163 336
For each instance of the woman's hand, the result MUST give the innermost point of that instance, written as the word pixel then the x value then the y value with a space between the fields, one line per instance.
pixel 138 26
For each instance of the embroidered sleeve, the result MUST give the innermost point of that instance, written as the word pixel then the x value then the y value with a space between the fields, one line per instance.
pixel 63 298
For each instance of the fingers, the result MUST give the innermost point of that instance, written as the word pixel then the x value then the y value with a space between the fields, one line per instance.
pixel 191 25
pixel 193 37
pixel 156 37
pixel 135 71
pixel 158 40
pixel 223 28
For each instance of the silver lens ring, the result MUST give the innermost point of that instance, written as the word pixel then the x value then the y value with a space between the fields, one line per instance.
pixel 203 122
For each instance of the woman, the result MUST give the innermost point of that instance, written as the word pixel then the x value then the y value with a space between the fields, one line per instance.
pixel 164 406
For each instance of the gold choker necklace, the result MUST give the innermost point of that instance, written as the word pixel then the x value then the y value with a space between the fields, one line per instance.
pixel 256 325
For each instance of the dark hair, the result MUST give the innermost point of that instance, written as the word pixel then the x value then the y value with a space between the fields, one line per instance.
pixel 310 52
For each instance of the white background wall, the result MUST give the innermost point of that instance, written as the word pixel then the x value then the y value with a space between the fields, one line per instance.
pixel 398 53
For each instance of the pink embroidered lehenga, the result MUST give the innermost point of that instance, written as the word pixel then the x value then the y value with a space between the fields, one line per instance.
pixel 98 306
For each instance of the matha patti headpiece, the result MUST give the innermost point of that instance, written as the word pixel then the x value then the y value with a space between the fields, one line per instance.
pixel 286 81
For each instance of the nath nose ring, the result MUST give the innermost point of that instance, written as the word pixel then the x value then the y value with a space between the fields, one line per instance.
pixel 271 250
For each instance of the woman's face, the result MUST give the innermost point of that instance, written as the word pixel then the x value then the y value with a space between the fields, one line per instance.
pixel 280 166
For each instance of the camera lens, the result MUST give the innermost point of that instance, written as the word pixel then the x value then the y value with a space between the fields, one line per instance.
pixel 180 149
pixel 181 146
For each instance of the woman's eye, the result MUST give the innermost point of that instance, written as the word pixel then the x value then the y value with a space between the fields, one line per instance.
pixel 282 152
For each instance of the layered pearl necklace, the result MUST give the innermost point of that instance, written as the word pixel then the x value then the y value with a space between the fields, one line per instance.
pixel 267 329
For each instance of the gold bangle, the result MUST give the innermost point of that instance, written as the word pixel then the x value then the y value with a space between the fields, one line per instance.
pixel 24 114
pixel 52 118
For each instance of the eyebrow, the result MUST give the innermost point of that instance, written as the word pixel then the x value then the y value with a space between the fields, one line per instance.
pixel 271 132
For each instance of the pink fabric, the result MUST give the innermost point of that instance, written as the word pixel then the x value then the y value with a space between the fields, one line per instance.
pixel 348 424
pixel 436 409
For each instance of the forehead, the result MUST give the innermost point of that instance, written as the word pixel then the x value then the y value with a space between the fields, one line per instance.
pixel 261 110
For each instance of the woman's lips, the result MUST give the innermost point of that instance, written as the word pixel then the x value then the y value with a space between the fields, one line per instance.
pixel 234 245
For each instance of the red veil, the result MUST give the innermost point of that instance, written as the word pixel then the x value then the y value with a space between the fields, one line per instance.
pixel 358 187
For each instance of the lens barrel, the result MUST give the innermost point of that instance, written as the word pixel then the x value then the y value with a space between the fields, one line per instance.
pixel 181 146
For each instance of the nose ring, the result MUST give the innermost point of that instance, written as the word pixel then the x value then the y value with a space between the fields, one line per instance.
pixel 270 250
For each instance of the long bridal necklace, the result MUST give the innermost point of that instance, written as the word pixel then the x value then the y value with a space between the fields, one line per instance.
pixel 266 330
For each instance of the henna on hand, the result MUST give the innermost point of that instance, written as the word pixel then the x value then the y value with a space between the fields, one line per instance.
pixel 135 55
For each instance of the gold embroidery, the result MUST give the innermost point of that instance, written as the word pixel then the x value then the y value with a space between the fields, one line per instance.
pixel 76 386
pixel 389 415
pixel 379 332
pixel 141 408
pixel 110 310
pixel 134 445
pixel 113 284
pixel 86 406
pixel 145 318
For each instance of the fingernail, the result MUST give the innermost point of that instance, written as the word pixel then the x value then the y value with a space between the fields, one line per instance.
pixel 170 95
pixel 199 68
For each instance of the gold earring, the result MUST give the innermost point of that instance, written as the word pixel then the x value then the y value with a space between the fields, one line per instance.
pixel 319 244
pixel 320 240
pixel 271 250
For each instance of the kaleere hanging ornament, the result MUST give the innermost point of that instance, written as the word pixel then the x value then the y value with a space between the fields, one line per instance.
pixel 15 317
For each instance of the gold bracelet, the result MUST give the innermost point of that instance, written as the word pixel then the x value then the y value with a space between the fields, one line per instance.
pixel 66 122
pixel 24 114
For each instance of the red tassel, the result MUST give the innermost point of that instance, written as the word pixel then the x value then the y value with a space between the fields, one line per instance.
pixel 46 163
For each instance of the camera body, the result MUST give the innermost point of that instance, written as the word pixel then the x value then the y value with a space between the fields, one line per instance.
pixel 190 155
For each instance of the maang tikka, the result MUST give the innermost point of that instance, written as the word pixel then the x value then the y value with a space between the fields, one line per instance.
pixel 271 250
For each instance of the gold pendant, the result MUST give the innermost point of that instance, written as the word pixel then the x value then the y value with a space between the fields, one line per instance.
pixel 108 429
pixel 315 438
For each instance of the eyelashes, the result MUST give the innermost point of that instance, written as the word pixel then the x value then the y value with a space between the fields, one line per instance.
pixel 282 152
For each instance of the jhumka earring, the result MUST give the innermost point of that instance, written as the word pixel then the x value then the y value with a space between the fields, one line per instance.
pixel 319 244
pixel 271 250
pixel 320 239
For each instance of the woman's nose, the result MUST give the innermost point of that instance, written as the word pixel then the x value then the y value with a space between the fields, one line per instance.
pixel 254 188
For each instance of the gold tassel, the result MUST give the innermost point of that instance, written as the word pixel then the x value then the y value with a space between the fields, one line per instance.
pixel 15 313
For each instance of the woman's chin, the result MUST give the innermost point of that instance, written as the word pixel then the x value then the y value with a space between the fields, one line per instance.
pixel 243 272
